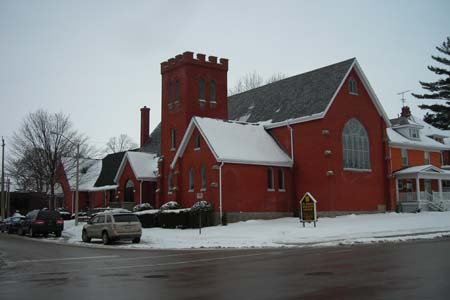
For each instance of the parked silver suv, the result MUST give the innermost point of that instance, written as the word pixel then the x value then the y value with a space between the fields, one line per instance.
pixel 112 226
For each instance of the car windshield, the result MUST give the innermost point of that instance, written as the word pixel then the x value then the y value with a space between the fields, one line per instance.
pixel 125 218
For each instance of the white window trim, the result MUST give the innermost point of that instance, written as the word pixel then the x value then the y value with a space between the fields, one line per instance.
pixel 358 170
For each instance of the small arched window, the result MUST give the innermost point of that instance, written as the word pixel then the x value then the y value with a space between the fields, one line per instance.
pixel 170 99
pixel 169 183
pixel 203 177
pixel 356 147
pixel 212 90
pixel 353 86
pixel 202 89
pixel 270 180
pixel 129 191
pixel 191 180
pixel 177 91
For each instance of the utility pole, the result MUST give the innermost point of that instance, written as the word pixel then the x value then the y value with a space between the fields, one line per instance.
pixel 2 203
pixel 8 197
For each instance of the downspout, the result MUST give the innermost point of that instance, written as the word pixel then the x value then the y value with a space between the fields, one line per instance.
pixel 292 142
pixel 140 192
pixel 220 192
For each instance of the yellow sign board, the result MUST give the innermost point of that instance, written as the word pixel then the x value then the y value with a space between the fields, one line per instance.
pixel 308 209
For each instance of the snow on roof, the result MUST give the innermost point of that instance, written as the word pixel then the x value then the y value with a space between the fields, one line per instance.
pixel 144 165
pixel 89 172
pixel 235 142
pixel 396 139
pixel 424 169
pixel 430 130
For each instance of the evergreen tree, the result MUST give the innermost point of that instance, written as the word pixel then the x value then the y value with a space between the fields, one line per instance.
pixel 439 90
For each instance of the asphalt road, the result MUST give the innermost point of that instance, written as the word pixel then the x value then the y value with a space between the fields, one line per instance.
pixel 33 269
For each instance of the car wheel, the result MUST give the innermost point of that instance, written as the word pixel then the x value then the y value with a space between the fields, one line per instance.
pixel 136 240
pixel 85 237
pixel 105 238
pixel 58 234
pixel 20 231
pixel 10 231
pixel 32 233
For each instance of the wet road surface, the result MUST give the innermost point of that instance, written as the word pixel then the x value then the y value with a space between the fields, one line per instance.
pixel 32 269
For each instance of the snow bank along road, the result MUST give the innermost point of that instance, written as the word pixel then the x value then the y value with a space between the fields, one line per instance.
pixel 288 232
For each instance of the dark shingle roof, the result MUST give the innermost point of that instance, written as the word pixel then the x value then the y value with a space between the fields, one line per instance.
pixel 110 165
pixel 294 97
pixel 153 145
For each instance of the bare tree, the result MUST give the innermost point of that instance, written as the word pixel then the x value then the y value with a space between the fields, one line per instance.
pixel 121 143
pixel 39 146
pixel 253 80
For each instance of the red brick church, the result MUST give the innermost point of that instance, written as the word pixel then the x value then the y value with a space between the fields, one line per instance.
pixel 255 154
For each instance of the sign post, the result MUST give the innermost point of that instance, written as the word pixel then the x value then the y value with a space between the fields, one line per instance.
pixel 308 209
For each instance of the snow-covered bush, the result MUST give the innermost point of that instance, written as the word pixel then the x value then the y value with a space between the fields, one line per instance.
pixel 142 206
pixel 170 205
pixel 201 205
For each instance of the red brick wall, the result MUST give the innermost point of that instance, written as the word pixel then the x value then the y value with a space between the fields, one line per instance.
pixel 188 71
pixel 148 188
pixel 346 190
pixel 415 158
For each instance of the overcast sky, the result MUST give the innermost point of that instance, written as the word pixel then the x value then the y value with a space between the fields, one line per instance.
pixel 99 61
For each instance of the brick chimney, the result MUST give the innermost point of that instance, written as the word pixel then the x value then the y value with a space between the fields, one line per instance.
pixel 145 125
pixel 406 112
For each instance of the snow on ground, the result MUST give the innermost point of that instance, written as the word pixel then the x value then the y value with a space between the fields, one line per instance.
pixel 287 232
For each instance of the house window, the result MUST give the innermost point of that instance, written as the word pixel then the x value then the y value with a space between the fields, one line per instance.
pixel 270 184
pixel 177 91
pixel 356 147
pixel 202 89
pixel 191 180
pixel 173 139
pixel 352 87
pixel 203 177
pixel 197 142
pixel 129 191
pixel 404 157
pixel 414 133
pixel 427 158
pixel 212 90
pixel 170 92
pixel 169 183
pixel 281 179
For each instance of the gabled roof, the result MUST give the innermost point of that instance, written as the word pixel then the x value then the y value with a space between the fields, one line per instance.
pixel 110 165
pixel 89 171
pixel 423 143
pixel 153 144
pixel 424 171
pixel 296 99
pixel 428 129
pixel 144 165
pixel 234 142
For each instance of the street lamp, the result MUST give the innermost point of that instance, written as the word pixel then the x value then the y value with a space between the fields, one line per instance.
pixel 77 174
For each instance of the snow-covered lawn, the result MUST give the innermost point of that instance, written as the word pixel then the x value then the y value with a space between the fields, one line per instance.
pixel 287 232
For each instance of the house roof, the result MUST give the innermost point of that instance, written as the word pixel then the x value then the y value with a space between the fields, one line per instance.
pixel 89 171
pixel 430 130
pixel 110 166
pixel 424 142
pixel 424 171
pixel 153 145
pixel 144 165
pixel 235 142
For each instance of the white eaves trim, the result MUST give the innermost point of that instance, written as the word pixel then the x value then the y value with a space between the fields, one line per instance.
pixel 255 146
pixel 321 115
pixel 396 140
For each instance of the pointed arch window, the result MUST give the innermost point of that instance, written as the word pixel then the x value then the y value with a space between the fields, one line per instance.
pixel 191 180
pixel 212 90
pixel 170 92
pixel 353 86
pixel 203 177
pixel 202 89
pixel 177 91
pixel 356 148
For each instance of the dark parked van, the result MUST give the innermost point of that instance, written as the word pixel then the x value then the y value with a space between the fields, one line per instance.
pixel 42 221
